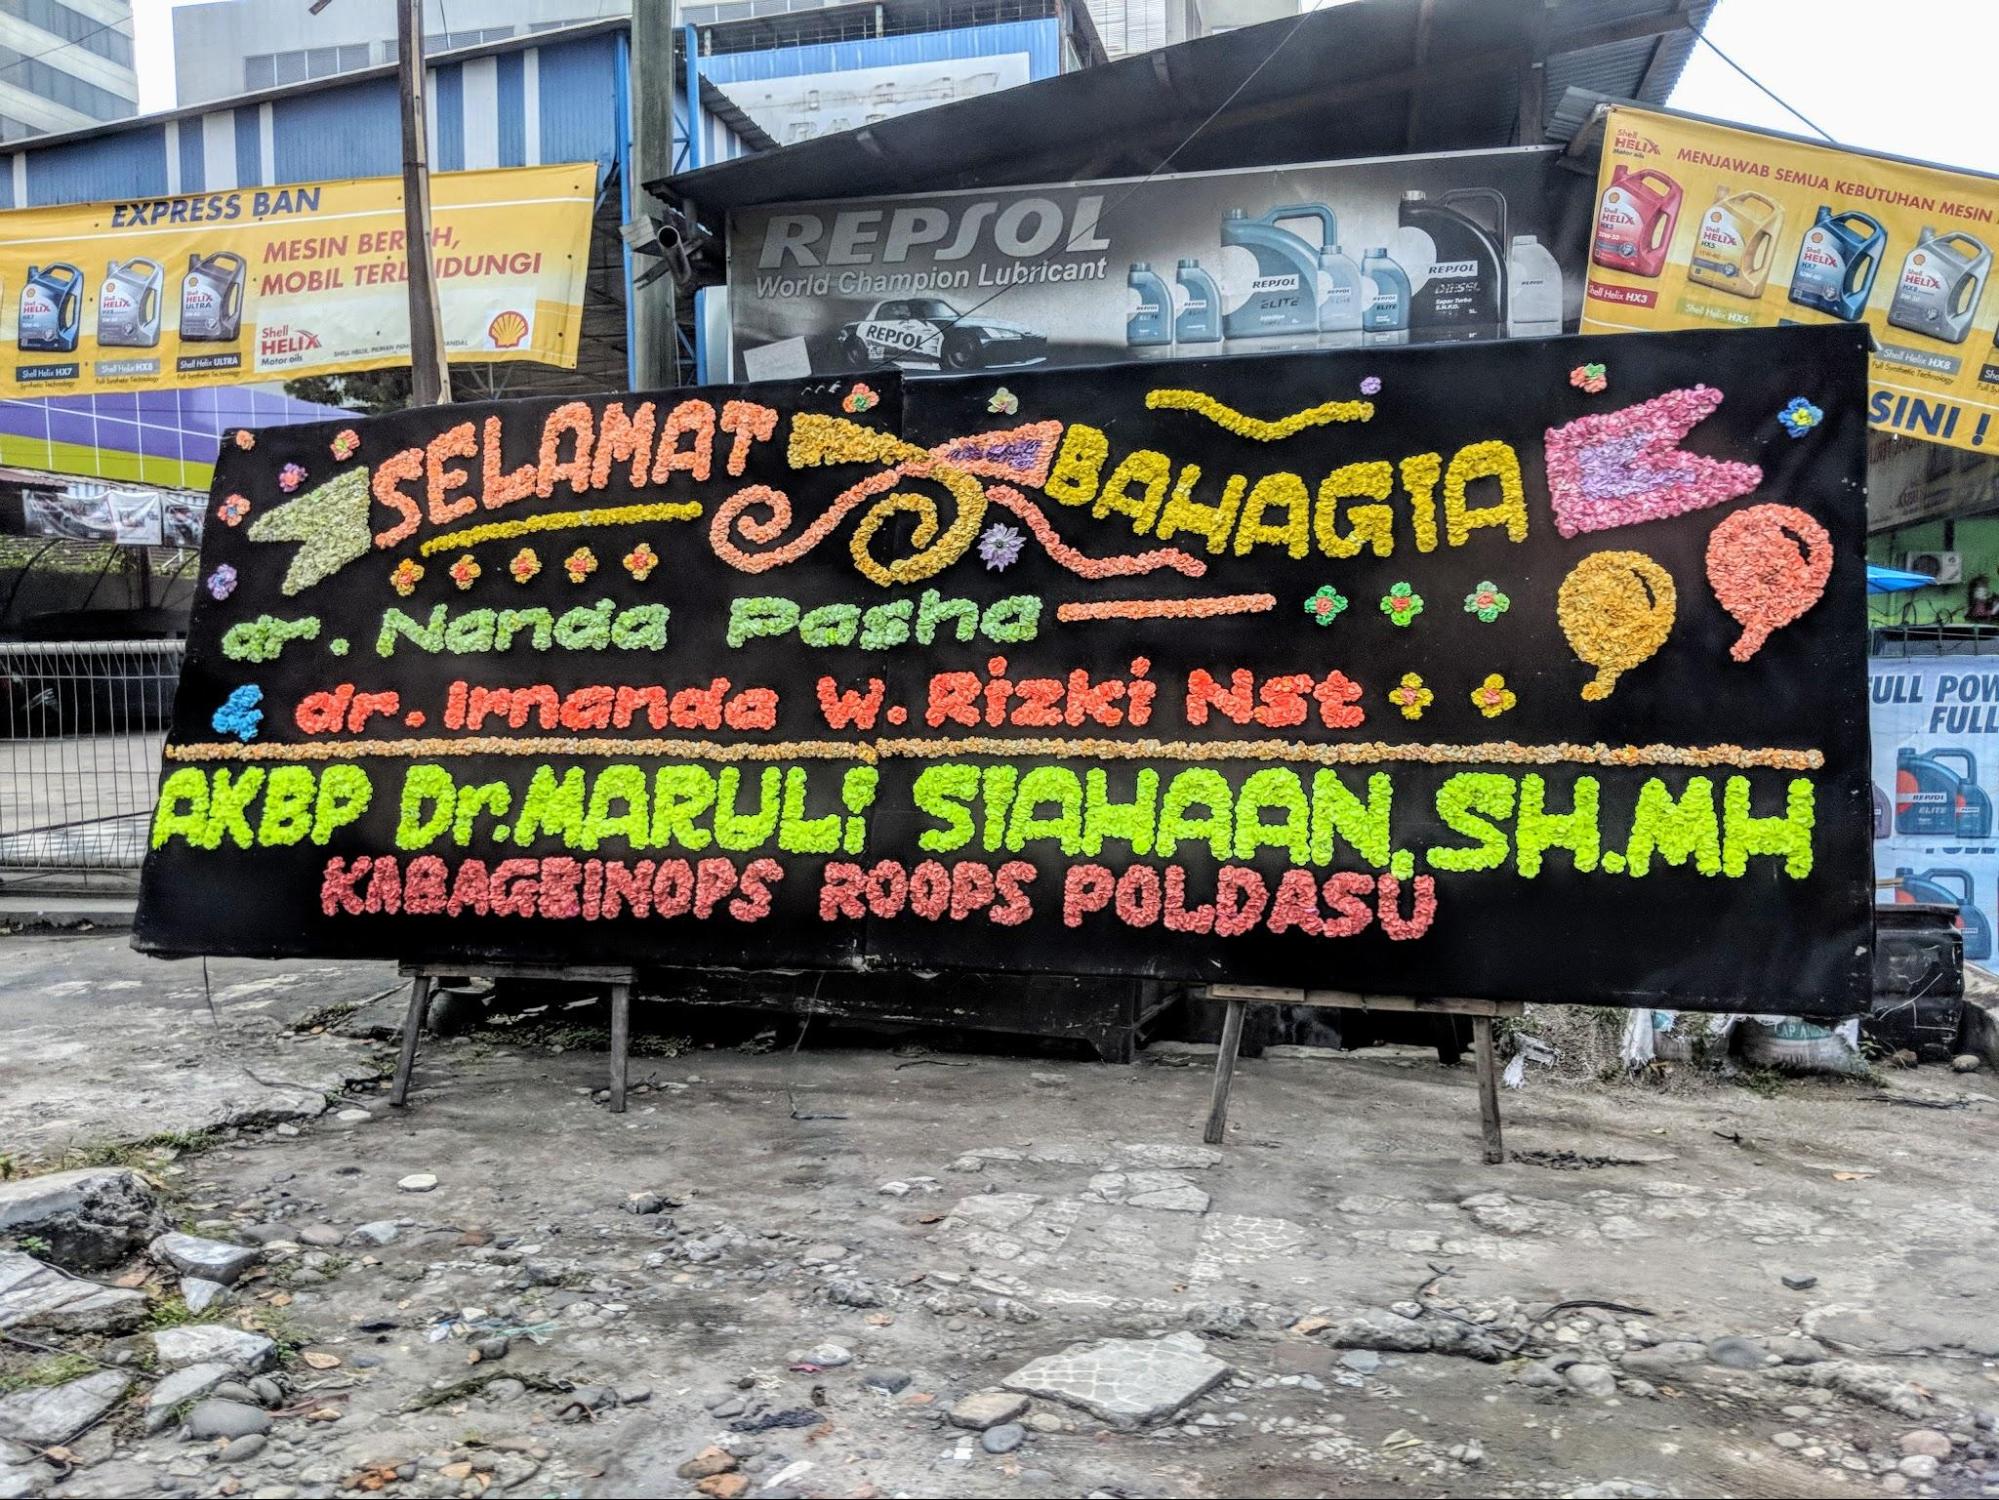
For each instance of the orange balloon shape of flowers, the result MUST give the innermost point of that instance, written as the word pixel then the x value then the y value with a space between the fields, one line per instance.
pixel 1767 565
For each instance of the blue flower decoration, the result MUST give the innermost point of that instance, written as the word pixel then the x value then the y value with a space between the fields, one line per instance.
pixel 240 715
pixel 999 546
pixel 1800 417
pixel 222 582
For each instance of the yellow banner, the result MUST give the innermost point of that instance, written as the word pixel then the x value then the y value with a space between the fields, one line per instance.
pixel 1700 226
pixel 272 283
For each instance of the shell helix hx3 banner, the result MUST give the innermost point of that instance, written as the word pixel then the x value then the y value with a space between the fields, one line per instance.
pixel 277 282
pixel 1701 226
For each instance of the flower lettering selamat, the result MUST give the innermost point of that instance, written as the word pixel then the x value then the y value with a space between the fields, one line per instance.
pixel 1800 417
pixel 1411 696
pixel 1402 604
pixel 1492 697
pixel 1486 602
pixel 1324 606
pixel 407 575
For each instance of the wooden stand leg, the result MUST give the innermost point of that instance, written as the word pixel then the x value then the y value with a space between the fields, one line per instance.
pixel 412 1030
pixel 621 1042
pixel 1218 1111
pixel 1488 1088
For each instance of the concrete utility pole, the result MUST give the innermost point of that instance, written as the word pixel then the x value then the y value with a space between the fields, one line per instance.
pixel 430 380
pixel 655 344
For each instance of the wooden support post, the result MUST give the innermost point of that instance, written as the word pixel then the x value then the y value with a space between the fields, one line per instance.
pixel 1488 1088
pixel 621 1042
pixel 1218 1111
pixel 412 1030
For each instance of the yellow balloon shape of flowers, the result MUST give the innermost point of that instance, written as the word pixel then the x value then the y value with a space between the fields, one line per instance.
pixel 1617 609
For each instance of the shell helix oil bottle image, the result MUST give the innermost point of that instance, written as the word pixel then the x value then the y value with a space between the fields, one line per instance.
pixel 211 298
pixel 1942 279
pixel 1934 798
pixel 128 304
pixel 1837 261
pixel 1148 322
pixel 1462 294
pixel 1635 221
pixel 1950 886
pixel 1278 295
pixel 1737 243
pixel 51 309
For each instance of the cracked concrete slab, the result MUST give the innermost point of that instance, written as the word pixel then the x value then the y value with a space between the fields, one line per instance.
pixel 1126 1382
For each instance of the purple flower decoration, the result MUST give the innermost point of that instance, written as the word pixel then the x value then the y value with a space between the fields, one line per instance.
pixel 290 477
pixel 239 714
pixel 999 546
pixel 222 582
pixel 1370 385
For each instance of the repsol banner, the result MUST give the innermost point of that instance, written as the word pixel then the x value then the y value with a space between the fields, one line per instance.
pixel 1340 255
pixel 1469 671
pixel 272 283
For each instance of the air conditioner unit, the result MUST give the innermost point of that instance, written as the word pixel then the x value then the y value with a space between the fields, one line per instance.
pixel 1944 567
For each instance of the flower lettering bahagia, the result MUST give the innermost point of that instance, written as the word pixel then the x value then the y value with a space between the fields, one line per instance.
pixel 1487 602
pixel 406 576
pixel 1402 604
pixel 1411 696
pixel 1325 604
pixel 1492 697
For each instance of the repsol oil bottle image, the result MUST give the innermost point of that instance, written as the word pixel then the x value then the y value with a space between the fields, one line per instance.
pixel 1148 322
pixel 1197 305
pixel 51 309
pixel 1934 798
pixel 1942 277
pixel 211 298
pixel 1273 273
pixel 1342 295
pixel 1462 294
pixel 1384 313
pixel 1635 221
pixel 1950 887
pixel 128 304
pixel 1837 261
pixel 1737 243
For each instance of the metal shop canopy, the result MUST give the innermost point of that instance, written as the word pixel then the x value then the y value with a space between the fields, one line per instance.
pixel 1376 78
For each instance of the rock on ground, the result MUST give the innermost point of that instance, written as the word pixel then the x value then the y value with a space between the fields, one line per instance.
pixel 47 1415
pixel 33 1295
pixel 182 1385
pixel 89 1219
pixel 211 1260
pixel 983 1409
pixel 226 1419
pixel 1126 1382
pixel 244 1353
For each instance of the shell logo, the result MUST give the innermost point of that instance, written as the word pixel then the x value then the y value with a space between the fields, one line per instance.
pixel 507 330
pixel 1917 259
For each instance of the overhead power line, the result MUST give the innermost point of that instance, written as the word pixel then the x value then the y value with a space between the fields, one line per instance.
pixel 1764 88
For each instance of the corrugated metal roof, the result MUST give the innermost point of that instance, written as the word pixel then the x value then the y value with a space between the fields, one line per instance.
pixel 1376 78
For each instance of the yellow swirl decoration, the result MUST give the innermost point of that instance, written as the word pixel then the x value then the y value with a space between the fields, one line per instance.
pixel 818 441
pixel 1244 425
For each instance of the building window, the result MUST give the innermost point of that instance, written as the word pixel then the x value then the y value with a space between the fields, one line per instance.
pixel 87 32
pixel 66 89
pixel 451 41
pixel 266 70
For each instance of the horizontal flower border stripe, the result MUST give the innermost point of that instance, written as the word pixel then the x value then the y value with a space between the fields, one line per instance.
pixel 1153 609
pixel 562 520
pixel 1500 752
pixel 1243 425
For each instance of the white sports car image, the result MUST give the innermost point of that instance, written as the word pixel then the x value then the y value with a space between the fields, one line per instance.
pixel 931 333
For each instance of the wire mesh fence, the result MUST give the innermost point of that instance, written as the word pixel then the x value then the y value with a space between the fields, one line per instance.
pixel 80 735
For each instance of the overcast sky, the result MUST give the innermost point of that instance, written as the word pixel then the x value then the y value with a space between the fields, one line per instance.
pixel 1909 77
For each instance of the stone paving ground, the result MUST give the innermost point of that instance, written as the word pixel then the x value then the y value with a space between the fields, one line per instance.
pixel 854 1270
